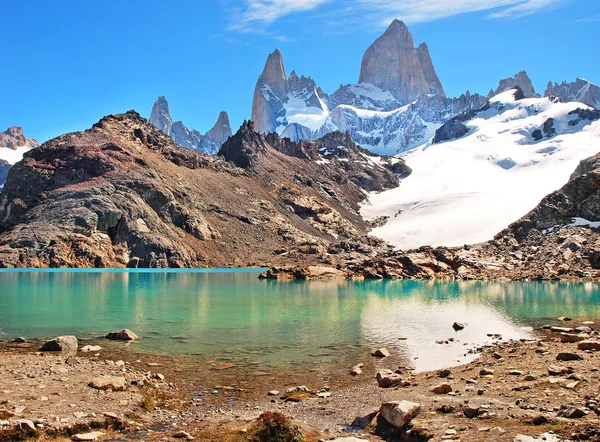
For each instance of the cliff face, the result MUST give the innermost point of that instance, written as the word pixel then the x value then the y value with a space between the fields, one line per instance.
pixel 124 194
pixel 392 63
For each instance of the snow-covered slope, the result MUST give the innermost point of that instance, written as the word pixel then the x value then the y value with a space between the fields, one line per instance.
pixel 11 156
pixel 468 189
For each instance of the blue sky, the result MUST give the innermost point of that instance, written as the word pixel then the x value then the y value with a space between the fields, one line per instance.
pixel 66 64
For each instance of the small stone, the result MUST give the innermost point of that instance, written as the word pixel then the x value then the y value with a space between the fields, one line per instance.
pixel 356 370
pixel 273 393
pixel 112 383
pixel 486 372
pixel 571 337
pixel 569 357
pixel 119 363
pixel 444 373
pixel 183 435
pixel 459 326
pixel 471 412
pixel 324 394
pixel 387 379
pixel 19 340
pixel 91 348
pixel 497 355
pixel 588 345
pixel 25 425
pixel 381 353
pixel 88 436
pixel 299 389
pixel 515 373
pixel 399 413
pixel 442 389
pixel 573 413
pixel 564 318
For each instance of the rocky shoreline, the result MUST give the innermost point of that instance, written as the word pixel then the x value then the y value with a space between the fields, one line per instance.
pixel 515 390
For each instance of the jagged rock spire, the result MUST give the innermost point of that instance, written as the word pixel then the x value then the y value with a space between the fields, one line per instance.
pixel 392 63
pixel 160 116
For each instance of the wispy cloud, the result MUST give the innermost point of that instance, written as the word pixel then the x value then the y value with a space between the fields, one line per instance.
pixel 590 19
pixel 260 13
pixel 256 15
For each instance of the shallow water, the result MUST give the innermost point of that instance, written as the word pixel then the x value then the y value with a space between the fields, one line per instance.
pixel 234 313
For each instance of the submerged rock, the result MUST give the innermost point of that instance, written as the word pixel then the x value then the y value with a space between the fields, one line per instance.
pixel 123 335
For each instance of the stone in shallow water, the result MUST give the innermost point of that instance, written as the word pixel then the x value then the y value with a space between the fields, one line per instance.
pixel 123 335
pixel 67 345
pixel 381 353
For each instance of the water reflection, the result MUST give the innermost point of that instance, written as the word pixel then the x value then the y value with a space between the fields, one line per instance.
pixel 283 322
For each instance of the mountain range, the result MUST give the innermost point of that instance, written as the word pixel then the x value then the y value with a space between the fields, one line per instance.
pixel 13 144
pixel 209 143
pixel 397 104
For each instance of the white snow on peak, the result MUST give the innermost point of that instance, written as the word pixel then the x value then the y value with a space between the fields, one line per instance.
pixel 465 191
pixel 13 156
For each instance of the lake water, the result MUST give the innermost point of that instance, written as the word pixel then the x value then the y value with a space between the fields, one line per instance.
pixel 209 313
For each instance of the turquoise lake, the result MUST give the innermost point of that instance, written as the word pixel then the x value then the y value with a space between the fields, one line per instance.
pixel 209 313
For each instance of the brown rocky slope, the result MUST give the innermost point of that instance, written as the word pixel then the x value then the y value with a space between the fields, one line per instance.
pixel 123 194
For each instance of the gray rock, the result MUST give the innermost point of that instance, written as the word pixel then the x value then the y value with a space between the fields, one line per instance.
pixel 123 335
pixel 580 90
pixel 66 345
pixel 521 80
pixel 387 379
pixel 109 383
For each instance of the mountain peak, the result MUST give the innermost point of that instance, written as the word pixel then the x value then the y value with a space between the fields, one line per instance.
pixel 221 131
pixel 13 138
pixel 160 116
pixel 522 80
pixel 273 74
pixel 392 63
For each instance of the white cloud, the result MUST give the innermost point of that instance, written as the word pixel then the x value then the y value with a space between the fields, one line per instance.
pixel 259 13
pixel 255 15
pixel 416 11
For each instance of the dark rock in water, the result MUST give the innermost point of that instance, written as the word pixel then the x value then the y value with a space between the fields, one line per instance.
pixel 67 345
pixel 19 340
pixel 459 326
pixel 451 130
pixel 123 335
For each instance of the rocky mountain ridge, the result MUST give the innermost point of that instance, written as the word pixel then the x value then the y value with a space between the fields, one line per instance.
pixel 580 90
pixel 209 143
pixel 13 144
pixel 124 194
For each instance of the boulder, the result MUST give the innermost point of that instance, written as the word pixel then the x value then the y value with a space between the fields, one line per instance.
pixel 112 383
pixel 67 345
pixel 91 348
pixel 571 337
pixel 399 413
pixel 459 326
pixel 442 389
pixel 123 335
pixel 387 379
pixel 588 345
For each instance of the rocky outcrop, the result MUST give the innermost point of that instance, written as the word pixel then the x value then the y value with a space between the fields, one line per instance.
pixel 4 168
pixel 522 80
pixel 210 143
pixel 13 138
pixel 392 63
pixel 124 194
pixel 580 90
pixel 451 130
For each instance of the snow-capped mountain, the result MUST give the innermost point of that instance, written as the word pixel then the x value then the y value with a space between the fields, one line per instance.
pixel 488 168
pixel 13 145
pixel 210 143
pixel 397 105
pixel 580 90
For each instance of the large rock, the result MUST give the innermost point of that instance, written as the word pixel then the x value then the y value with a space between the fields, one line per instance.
pixel 67 345
pixel 123 335
pixel 109 383
pixel 399 413
pixel 589 345
pixel 387 379
pixel 392 63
